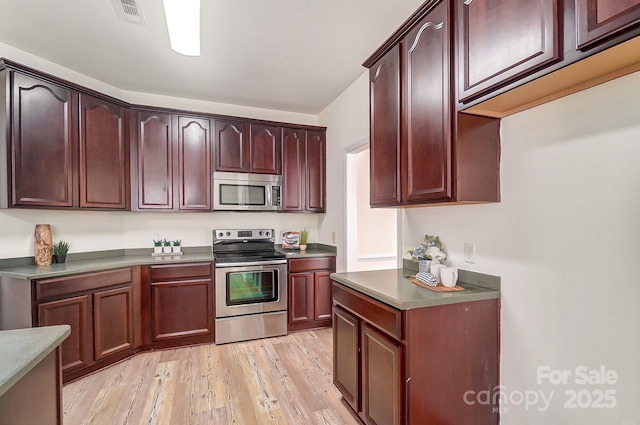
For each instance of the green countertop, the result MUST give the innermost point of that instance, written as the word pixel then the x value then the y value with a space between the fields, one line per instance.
pixel 32 272
pixel 392 287
pixel 99 264
pixel 22 349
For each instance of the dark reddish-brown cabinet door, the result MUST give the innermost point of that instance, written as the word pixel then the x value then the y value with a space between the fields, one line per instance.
pixel 43 130
pixel 231 146
pixel 346 347
pixel 265 149
pixel 77 349
pixel 322 296
pixel 598 19
pixel 293 153
pixel 301 296
pixel 426 144
pixel 181 309
pixel 381 378
pixel 500 40
pixel 112 321
pixel 194 164
pixel 155 161
pixel 384 91
pixel 104 149
pixel 315 171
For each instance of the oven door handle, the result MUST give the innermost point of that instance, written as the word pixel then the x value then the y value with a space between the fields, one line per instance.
pixel 254 263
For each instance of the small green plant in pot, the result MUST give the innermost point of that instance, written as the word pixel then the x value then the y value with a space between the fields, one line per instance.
pixel 60 250
pixel 304 236
pixel 166 246
pixel 157 246
pixel 177 246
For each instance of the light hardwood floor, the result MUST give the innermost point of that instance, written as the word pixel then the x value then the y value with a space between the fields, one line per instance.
pixel 283 380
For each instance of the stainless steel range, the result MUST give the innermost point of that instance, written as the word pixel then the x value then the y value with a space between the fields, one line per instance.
pixel 251 285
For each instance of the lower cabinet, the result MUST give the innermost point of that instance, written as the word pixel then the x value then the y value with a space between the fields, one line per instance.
pixel 180 304
pixel 103 310
pixel 415 366
pixel 310 292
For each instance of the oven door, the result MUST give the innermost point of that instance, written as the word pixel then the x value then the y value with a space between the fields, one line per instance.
pixel 250 289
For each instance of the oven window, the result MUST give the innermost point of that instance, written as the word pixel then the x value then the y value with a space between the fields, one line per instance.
pixel 252 287
pixel 233 194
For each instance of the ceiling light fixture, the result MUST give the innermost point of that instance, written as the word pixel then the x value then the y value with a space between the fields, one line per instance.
pixel 183 23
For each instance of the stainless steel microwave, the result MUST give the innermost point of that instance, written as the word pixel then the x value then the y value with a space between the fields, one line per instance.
pixel 247 192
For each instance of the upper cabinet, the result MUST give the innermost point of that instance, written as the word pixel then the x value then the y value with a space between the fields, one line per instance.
pixel 315 166
pixel 501 40
pixel 303 170
pixel 427 139
pixel 67 150
pixel 104 154
pixel 173 162
pixel 384 87
pixel 545 49
pixel 598 19
pixel 247 148
pixel 265 149
pixel 66 146
pixel 44 143
pixel 154 164
pixel 422 152
pixel 194 163
pixel 231 146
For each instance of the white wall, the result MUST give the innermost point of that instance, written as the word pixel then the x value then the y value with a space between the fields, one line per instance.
pixel 564 239
pixel 347 121
pixel 90 230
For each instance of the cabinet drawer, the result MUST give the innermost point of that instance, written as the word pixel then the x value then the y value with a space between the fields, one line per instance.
pixel 179 271
pixel 315 263
pixel 378 314
pixel 79 283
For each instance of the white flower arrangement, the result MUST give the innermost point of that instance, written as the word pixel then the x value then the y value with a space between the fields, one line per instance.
pixel 431 249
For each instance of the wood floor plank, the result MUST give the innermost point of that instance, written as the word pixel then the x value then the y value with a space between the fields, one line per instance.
pixel 272 381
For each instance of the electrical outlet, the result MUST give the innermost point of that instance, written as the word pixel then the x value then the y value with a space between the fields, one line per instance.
pixel 469 253
pixel 333 237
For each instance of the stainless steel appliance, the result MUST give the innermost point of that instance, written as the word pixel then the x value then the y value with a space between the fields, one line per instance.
pixel 251 285
pixel 247 192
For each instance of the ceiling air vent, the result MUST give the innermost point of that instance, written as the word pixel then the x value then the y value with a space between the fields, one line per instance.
pixel 129 11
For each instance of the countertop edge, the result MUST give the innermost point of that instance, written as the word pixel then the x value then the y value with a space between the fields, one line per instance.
pixel 61 332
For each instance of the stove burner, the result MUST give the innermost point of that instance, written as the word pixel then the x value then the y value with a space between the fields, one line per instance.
pixel 244 246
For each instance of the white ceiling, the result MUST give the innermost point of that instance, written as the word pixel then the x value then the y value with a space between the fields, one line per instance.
pixel 292 55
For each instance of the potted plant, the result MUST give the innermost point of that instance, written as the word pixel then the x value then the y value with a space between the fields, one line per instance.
pixel 304 236
pixel 177 248
pixel 166 246
pixel 157 246
pixel 60 250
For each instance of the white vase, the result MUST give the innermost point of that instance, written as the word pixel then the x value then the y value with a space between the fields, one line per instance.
pixel 177 249
pixel 166 250
pixel 157 250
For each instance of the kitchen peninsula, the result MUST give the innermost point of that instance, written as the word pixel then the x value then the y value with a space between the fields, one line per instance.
pixel 30 371
pixel 432 350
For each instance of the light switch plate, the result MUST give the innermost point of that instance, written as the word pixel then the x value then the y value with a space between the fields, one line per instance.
pixel 469 253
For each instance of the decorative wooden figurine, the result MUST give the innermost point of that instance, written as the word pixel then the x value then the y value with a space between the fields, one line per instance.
pixel 43 244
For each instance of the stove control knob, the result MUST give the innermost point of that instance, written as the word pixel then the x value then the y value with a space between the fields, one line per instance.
pixel 260 233
pixel 220 234
pixel 228 234
pixel 267 233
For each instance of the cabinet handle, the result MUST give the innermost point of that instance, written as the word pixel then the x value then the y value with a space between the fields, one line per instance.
pixel 468 2
pixel 424 27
